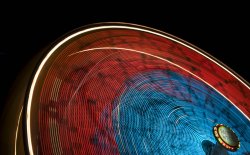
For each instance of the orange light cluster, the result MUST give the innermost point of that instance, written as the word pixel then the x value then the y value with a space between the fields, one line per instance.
pixel 222 142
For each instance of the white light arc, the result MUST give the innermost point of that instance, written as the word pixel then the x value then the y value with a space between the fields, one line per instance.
pixel 33 84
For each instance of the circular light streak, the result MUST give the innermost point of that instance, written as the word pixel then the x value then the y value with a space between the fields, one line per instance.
pixel 92 90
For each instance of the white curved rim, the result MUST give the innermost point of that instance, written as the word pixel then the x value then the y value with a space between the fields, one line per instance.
pixel 132 27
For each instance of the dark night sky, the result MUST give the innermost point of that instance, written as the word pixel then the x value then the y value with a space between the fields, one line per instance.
pixel 224 33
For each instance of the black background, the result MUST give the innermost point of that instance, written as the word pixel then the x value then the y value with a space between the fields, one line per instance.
pixel 222 31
